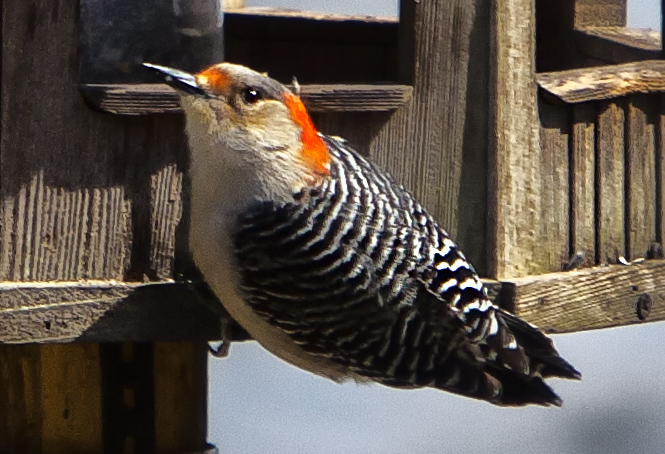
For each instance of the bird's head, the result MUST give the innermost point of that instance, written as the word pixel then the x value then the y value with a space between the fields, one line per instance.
pixel 244 118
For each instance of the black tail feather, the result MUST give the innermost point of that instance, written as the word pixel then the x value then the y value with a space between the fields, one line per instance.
pixel 539 348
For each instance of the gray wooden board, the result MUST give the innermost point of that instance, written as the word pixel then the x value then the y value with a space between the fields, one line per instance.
pixel 144 99
pixel 604 82
pixel 591 298
pixel 107 312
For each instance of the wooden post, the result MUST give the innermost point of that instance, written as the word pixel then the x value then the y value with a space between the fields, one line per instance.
pixel 84 196
pixel 439 136
pixel 515 242
pixel 103 398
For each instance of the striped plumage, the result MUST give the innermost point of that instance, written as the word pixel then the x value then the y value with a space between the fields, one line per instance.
pixel 360 248
pixel 331 265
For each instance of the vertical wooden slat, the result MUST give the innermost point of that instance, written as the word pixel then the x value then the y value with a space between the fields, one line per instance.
pixel 181 379
pixel 554 218
pixel 422 143
pixel 50 399
pixel 660 175
pixel 515 243
pixel 582 188
pixel 640 176
pixel 610 182
pixel 71 399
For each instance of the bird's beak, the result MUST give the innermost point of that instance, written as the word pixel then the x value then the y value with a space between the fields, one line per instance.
pixel 177 79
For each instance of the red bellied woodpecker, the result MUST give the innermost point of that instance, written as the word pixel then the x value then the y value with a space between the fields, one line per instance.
pixel 331 265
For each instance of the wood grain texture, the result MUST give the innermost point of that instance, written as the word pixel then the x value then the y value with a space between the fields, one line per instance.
pixel 181 414
pixel 610 184
pixel 600 13
pixel 75 191
pixel 254 11
pixel 51 233
pixel 52 397
pixel 614 45
pixel 590 298
pixel 604 82
pixel 423 143
pixel 167 207
pixel 515 154
pixel 107 311
pixel 660 173
pixel 582 188
pixel 555 205
pixel 145 99
pixel 640 176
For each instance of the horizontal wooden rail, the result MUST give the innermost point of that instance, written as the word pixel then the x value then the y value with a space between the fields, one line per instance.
pixel 614 45
pixel 590 298
pixel 143 99
pixel 604 82
pixel 106 311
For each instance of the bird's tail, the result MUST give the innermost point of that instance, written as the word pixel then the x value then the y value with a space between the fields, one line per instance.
pixel 516 361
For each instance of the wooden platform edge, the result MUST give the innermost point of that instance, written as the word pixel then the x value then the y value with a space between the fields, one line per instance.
pixel 102 311
pixel 590 298
pixel 604 82
pixel 145 99
pixel 614 45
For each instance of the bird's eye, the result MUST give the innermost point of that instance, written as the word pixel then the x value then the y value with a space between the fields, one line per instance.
pixel 251 95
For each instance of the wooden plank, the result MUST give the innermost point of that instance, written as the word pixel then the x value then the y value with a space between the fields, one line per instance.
pixel 423 143
pixel 660 174
pixel 515 154
pixel 582 188
pixel 279 13
pixel 600 13
pixel 618 44
pixel 53 233
pixel 610 183
pixel 554 219
pixel 54 398
pixel 144 99
pixel 107 312
pixel 167 209
pixel 181 414
pixel 51 399
pixel 640 176
pixel 591 298
pixel 604 82
pixel 75 191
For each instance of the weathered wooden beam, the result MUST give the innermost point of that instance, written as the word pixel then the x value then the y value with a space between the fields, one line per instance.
pixel 108 312
pixel 515 173
pixel 618 44
pixel 260 11
pixel 591 298
pixel 604 82
pixel 113 397
pixel 598 13
pixel 610 182
pixel 143 99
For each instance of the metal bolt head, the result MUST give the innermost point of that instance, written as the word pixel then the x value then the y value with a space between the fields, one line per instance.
pixel 643 306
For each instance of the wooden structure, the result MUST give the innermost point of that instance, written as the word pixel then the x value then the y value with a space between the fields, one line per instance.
pixel 527 153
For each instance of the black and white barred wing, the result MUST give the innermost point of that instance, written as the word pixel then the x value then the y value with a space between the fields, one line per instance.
pixel 358 272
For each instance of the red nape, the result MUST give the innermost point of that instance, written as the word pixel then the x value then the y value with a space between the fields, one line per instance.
pixel 314 150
